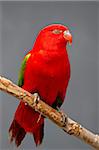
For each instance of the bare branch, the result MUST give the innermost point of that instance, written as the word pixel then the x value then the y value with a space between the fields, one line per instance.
pixel 69 126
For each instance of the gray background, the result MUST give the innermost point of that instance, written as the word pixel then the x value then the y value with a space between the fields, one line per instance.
pixel 19 25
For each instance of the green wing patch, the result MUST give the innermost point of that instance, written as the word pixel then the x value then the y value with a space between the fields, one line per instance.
pixel 22 69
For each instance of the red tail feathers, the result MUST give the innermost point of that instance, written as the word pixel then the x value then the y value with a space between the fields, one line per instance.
pixel 16 132
pixel 26 120
pixel 38 134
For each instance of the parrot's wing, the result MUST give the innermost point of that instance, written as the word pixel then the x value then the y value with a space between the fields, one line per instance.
pixel 22 69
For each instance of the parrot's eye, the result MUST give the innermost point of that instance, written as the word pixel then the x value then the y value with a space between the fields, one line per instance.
pixel 56 31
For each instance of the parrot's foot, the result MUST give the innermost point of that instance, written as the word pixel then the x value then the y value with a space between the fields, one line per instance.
pixel 63 117
pixel 36 99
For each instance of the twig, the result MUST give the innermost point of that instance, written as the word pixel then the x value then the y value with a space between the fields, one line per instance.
pixel 69 126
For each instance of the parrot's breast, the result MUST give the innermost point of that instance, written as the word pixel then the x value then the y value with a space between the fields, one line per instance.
pixel 47 74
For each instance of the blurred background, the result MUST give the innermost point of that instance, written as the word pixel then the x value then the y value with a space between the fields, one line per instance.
pixel 19 24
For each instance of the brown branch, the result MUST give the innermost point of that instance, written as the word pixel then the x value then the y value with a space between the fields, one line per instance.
pixel 69 126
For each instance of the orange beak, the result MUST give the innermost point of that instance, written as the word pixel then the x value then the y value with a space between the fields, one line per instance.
pixel 67 35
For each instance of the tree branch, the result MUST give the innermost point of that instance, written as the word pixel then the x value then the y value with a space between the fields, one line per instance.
pixel 69 126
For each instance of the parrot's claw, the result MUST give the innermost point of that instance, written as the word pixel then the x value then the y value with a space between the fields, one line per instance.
pixel 36 98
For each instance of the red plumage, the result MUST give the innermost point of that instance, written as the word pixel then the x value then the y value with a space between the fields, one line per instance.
pixel 47 72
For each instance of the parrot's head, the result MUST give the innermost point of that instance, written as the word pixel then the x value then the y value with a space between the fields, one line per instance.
pixel 54 36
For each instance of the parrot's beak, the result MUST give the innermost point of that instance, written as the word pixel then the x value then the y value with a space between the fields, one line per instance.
pixel 67 35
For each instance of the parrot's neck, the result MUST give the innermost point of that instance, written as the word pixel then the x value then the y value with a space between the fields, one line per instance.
pixel 51 51
pixel 51 55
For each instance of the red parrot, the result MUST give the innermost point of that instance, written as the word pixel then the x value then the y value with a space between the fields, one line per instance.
pixel 45 70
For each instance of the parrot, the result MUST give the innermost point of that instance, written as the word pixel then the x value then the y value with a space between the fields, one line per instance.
pixel 45 70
